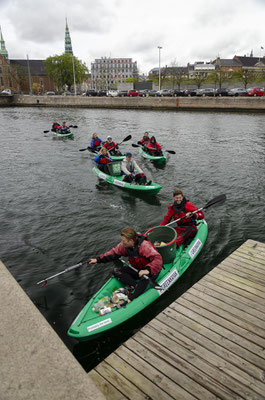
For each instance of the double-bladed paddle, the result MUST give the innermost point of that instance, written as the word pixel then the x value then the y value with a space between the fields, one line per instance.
pixel 118 144
pixel 216 201
pixel 168 151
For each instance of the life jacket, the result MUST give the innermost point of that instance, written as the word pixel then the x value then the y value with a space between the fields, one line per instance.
pixel 180 211
pixel 104 160
pixel 110 146
pixel 145 140
pixel 55 125
pixel 96 143
pixel 133 253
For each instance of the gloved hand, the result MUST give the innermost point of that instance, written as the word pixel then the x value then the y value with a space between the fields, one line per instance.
pixel 140 143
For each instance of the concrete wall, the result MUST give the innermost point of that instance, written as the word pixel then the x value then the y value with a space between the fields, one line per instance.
pixel 166 103
pixel 35 363
pixel 6 100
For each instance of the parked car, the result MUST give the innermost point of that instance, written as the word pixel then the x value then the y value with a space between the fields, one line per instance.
pixel 102 92
pixel 67 94
pixel 49 93
pixel 221 92
pixel 6 91
pixel 153 93
pixel 255 92
pixel 237 92
pixel 165 92
pixel 190 92
pixel 122 93
pixel 206 92
pixel 91 92
pixel 133 93
pixel 144 92
pixel 112 93
pixel 178 92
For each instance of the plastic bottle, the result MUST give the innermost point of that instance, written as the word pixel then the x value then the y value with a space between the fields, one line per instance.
pixel 101 304
pixel 105 310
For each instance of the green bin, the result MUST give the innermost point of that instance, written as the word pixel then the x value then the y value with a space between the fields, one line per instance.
pixel 164 234
pixel 114 168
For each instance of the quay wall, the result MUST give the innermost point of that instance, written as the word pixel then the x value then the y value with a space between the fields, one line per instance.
pixel 35 363
pixel 256 104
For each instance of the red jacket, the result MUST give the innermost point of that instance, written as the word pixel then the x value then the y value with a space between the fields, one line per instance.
pixel 110 146
pixel 145 140
pixel 153 147
pixel 188 207
pixel 146 256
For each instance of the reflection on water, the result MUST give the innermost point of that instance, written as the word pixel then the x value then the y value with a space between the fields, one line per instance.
pixel 55 212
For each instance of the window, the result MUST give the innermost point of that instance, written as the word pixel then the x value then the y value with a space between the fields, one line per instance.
pixel 0 70
pixel 2 81
pixel 10 82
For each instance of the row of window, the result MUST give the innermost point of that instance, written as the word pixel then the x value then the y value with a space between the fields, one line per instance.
pixel 113 61
pixel 9 81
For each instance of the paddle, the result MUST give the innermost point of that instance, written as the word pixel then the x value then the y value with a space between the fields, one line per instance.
pixel 152 283
pixel 89 149
pixel 73 126
pixel 118 144
pixel 45 281
pixel 168 151
pixel 218 200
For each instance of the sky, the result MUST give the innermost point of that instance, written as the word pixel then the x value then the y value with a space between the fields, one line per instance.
pixel 188 31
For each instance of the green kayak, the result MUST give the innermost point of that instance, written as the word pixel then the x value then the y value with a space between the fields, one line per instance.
pixel 116 180
pixel 157 159
pixel 89 324
pixel 66 135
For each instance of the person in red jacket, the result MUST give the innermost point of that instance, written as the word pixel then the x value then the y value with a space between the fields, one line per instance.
pixel 55 126
pixel 63 129
pixel 153 147
pixel 141 254
pixel 112 147
pixel 103 159
pixel 145 140
pixel 182 207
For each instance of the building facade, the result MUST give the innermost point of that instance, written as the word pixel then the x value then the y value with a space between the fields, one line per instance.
pixel 107 73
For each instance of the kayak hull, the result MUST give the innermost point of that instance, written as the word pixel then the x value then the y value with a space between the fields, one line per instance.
pixel 88 324
pixel 154 188
pixel 66 135
pixel 156 159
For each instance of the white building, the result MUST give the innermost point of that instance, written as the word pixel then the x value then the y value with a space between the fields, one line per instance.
pixel 107 73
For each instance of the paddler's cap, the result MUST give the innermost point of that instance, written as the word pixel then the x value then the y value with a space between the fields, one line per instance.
pixel 109 137
pixel 128 154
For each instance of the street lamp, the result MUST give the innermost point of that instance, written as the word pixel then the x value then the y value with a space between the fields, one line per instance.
pixel 159 82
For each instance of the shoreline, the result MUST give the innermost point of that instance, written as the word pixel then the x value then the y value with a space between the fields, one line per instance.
pixel 256 104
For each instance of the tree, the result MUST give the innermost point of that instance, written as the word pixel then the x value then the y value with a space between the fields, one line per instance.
pixel 177 75
pixel 217 78
pixel 60 69
pixel 199 79
pixel 245 76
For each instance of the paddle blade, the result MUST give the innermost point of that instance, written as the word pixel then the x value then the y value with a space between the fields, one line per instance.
pixel 135 145
pixel 127 138
pixel 218 200
pixel 83 149
pixel 171 151
pixel 46 131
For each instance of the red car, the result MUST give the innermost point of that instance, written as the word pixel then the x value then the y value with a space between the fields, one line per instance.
pixel 133 93
pixel 256 92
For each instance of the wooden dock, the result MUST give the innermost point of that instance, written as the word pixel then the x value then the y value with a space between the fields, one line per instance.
pixel 209 344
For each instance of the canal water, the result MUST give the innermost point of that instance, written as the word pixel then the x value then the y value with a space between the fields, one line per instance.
pixel 55 212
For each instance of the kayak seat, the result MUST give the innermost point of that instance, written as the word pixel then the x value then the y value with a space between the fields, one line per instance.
pixel 114 168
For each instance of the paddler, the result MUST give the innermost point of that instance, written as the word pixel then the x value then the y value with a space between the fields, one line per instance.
pixel 131 171
pixel 95 143
pixel 112 147
pixel 154 148
pixel 141 254
pixel 145 140
pixel 103 159
pixel 55 126
pixel 64 129
pixel 182 207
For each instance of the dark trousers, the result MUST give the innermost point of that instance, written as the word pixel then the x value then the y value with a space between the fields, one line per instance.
pixel 137 178
pixel 131 278
pixel 103 168
pixel 185 232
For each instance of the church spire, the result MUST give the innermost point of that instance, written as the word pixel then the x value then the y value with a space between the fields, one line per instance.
pixel 3 50
pixel 67 41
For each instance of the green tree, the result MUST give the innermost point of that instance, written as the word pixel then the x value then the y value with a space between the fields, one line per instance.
pixel 60 69
pixel 217 78
pixel 199 79
pixel 244 76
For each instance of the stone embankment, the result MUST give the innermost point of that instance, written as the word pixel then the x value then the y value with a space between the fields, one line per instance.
pixel 256 104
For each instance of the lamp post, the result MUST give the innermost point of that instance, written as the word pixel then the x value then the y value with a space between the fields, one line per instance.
pixel 159 74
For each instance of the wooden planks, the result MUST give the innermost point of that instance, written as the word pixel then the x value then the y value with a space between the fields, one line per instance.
pixel 209 344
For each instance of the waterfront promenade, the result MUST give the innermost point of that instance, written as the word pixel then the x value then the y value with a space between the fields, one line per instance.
pixel 256 104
